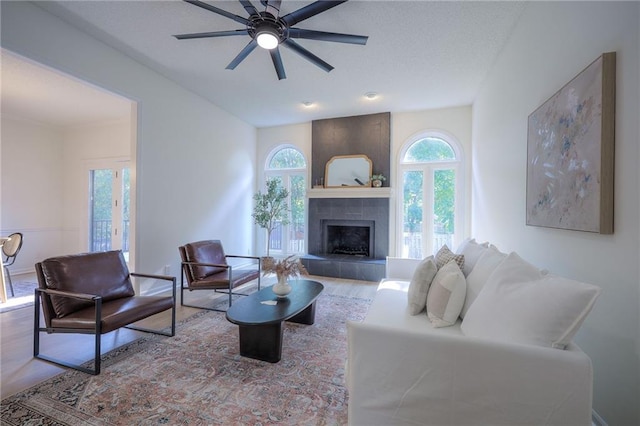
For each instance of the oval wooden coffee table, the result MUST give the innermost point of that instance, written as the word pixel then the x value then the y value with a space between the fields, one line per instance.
pixel 261 323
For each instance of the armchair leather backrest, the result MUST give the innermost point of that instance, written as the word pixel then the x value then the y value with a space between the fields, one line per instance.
pixel 207 251
pixel 103 274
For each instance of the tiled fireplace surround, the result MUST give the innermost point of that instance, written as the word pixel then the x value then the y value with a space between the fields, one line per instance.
pixel 347 266
pixel 369 135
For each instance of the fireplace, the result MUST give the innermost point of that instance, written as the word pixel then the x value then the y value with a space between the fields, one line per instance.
pixel 350 237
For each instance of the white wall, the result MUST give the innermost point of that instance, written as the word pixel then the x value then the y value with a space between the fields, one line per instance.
pixel 553 42
pixel 32 190
pixel 404 125
pixel 196 166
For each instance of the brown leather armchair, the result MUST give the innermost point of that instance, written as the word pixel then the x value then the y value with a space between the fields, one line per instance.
pixel 92 293
pixel 205 267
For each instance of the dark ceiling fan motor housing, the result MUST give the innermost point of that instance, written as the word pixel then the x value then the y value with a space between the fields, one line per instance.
pixel 279 26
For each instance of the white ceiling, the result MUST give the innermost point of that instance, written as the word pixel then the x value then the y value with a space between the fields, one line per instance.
pixel 420 54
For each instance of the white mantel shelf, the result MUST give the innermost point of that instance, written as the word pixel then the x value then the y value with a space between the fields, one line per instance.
pixel 350 192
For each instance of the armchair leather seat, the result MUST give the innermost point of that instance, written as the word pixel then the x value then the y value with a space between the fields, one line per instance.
pixel 115 314
pixel 221 280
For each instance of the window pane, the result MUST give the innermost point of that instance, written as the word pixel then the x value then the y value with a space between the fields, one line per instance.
pixel 412 214
pixel 100 209
pixel 287 158
pixel 444 195
pixel 429 149
pixel 275 242
pixel 297 227
pixel 126 189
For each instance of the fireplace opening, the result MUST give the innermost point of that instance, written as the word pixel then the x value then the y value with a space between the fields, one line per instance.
pixel 353 238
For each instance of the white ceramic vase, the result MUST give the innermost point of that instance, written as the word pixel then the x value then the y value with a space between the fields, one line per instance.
pixel 282 287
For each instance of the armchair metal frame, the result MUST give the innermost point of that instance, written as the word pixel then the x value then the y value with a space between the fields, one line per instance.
pixel 97 330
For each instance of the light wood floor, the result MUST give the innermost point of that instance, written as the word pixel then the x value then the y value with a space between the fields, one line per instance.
pixel 19 370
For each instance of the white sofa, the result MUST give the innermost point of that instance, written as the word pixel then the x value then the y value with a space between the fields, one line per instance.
pixel 403 371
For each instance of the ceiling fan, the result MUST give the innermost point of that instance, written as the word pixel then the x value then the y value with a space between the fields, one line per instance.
pixel 269 30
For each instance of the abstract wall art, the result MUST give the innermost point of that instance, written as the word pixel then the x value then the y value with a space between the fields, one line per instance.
pixel 570 153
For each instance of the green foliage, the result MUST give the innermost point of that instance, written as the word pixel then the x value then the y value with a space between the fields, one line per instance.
pixel 297 199
pixel 287 158
pixel 413 201
pixel 444 200
pixel 271 207
pixel 429 149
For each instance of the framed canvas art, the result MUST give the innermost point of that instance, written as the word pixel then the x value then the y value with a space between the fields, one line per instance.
pixel 570 153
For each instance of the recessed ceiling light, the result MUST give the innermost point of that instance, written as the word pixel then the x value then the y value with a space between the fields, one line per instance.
pixel 307 104
pixel 371 95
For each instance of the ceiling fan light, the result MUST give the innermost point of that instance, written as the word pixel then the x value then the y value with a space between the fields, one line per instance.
pixel 267 39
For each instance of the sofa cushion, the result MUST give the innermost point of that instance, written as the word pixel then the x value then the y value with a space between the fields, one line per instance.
pixel 419 285
pixel 471 251
pixel 444 255
pixel 484 267
pixel 521 304
pixel 389 310
pixel 103 274
pixel 446 295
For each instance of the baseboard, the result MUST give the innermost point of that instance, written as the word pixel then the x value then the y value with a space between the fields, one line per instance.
pixel 596 420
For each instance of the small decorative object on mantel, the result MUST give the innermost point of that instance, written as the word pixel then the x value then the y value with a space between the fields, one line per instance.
pixel 376 180
pixel 290 267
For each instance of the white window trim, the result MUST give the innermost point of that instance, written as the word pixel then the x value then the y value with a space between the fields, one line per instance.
pixel 430 166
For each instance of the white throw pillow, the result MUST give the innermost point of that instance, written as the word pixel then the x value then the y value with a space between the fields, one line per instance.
pixel 471 251
pixel 446 295
pixel 444 255
pixel 484 267
pixel 419 285
pixel 521 304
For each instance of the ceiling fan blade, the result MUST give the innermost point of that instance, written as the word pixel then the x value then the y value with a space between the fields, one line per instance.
pixel 211 34
pixel 242 55
pixel 309 11
pixel 326 36
pixel 277 63
pixel 251 10
pixel 272 7
pixel 307 55
pixel 219 11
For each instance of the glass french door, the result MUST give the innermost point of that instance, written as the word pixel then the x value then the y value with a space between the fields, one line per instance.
pixel 109 207
pixel 290 238
pixel 428 211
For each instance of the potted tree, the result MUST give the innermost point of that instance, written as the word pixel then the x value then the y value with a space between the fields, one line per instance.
pixel 271 209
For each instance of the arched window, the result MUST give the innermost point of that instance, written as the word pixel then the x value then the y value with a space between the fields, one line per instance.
pixel 287 165
pixel 430 212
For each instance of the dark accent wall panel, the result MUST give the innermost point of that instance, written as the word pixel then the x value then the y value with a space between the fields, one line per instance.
pixel 362 134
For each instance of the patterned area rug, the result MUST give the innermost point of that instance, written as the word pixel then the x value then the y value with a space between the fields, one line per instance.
pixel 199 378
